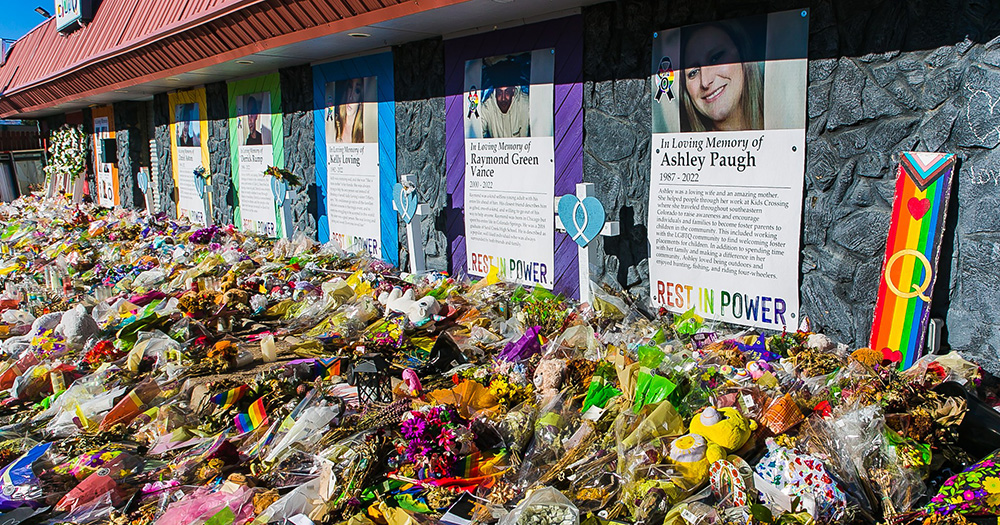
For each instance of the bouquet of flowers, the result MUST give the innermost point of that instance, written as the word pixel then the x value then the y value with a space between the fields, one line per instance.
pixel 434 436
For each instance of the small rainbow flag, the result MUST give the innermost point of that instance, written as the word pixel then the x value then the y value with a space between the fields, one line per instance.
pixel 327 367
pixel 902 311
pixel 230 397
pixel 253 418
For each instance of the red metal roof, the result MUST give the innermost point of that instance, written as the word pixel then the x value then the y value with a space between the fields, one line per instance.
pixel 134 41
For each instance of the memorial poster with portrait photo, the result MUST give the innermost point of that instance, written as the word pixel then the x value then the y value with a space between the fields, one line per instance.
pixel 727 168
pixel 352 164
pixel 188 134
pixel 509 163
pixel 104 163
pixel 255 131
pixel 354 113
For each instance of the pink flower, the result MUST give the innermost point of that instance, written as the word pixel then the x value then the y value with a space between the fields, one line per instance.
pixel 969 495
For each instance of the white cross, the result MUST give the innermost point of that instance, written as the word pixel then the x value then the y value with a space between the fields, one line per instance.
pixel 414 240
pixel 588 252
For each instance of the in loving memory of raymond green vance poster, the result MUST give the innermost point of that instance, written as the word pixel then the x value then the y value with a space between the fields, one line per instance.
pixel 509 166
pixel 727 166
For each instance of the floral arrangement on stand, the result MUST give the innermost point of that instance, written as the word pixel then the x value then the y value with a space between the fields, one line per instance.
pixel 67 153
pixel 284 175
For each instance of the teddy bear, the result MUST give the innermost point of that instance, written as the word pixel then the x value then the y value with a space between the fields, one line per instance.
pixel 726 427
pixel 422 313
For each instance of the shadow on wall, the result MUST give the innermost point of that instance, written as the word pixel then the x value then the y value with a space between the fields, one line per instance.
pixel 884 77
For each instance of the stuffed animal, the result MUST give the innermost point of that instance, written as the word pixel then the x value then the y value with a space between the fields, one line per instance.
pixel 726 427
pixel 421 313
pixel 692 454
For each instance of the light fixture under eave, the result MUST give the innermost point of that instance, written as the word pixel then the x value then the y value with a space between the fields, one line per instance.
pixel 244 62
pixel 503 1
pixel 173 79
pixel 359 35
pixel 121 91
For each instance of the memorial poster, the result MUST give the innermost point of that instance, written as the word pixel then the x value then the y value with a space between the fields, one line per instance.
pixel 354 115
pixel 256 142
pixel 352 165
pixel 509 166
pixel 727 166
pixel 107 172
pixel 188 134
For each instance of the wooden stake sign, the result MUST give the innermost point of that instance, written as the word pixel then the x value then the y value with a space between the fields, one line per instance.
pixel 923 186
pixel 582 217
pixel 404 201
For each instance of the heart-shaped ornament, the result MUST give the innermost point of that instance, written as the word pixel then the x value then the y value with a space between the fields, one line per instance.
pixel 280 191
pixel 918 207
pixel 583 220
pixel 406 203
pixel 143 180
pixel 199 186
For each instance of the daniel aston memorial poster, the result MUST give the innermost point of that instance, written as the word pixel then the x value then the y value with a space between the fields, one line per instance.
pixel 727 166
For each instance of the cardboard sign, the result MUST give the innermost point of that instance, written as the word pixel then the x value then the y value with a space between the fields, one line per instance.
pixel 923 185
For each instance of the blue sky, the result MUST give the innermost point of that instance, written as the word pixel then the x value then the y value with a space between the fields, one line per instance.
pixel 19 16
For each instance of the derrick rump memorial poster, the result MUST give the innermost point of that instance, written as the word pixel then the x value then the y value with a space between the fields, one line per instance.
pixel 509 166
pixel 727 167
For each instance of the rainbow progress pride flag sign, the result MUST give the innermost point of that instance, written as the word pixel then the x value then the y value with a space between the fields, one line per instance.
pixel 923 186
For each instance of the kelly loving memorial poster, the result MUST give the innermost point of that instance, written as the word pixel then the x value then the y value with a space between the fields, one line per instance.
pixel 257 206
pixel 728 160
pixel 352 164
pixel 509 167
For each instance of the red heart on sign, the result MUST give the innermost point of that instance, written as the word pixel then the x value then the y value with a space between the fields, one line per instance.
pixel 918 207
pixel 893 356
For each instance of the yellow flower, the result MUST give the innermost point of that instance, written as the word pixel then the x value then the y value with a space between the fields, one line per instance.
pixel 992 485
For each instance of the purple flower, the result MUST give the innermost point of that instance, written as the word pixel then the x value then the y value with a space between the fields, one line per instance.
pixel 413 428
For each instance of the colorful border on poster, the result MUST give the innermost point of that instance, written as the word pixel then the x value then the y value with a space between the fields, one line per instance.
pixel 380 67
pixel 109 113
pixel 565 35
pixel 192 96
pixel 913 246
pixel 270 84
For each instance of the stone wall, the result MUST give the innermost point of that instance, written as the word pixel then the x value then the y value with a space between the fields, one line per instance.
pixel 418 68
pixel 885 76
pixel 223 193
pixel 300 140
pixel 129 125
pixel 164 165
